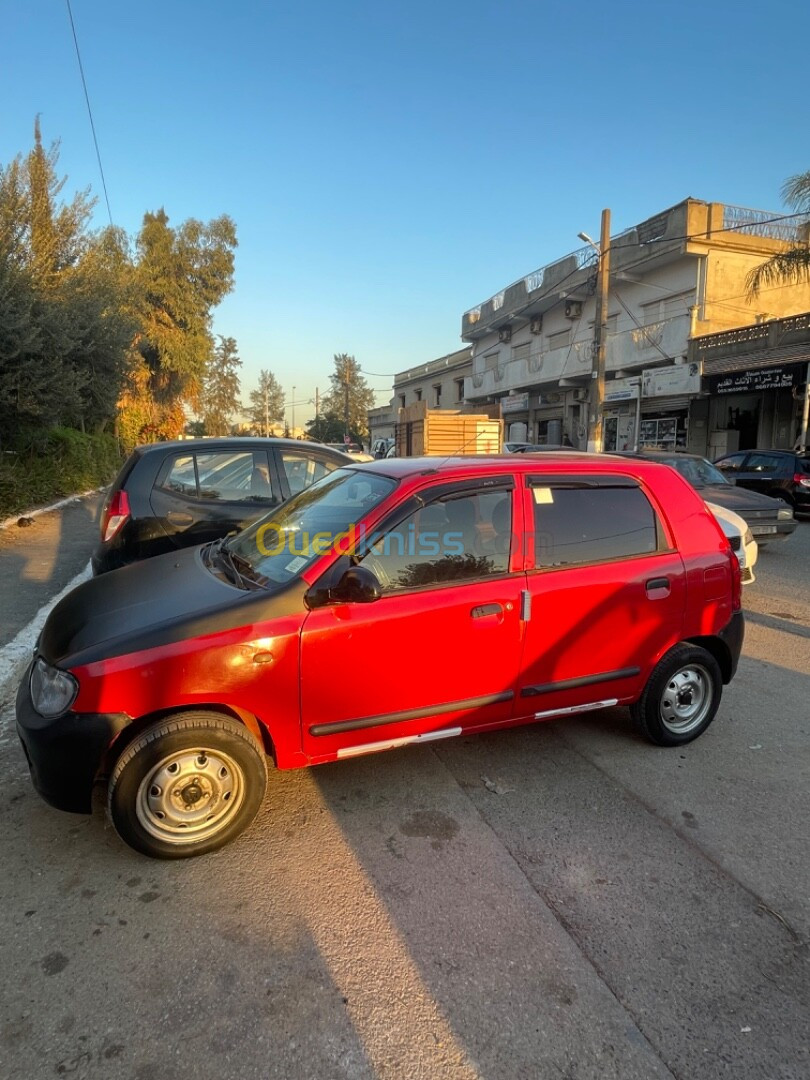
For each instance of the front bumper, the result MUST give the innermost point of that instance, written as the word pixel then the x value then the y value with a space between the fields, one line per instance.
pixel 765 532
pixel 65 752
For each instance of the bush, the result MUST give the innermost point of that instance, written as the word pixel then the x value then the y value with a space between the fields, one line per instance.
pixel 50 464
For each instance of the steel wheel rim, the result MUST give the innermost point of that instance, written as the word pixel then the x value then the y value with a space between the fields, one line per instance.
pixel 686 699
pixel 190 795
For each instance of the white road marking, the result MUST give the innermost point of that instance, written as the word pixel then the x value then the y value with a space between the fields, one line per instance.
pixel 15 655
pixel 47 509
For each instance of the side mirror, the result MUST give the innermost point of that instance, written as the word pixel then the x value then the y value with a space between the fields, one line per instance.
pixel 344 583
pixel 357 586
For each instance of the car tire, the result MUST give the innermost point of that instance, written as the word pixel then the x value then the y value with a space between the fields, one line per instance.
pixel 187 785
pixel 681 697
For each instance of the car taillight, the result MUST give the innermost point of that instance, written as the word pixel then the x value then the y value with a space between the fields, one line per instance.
pixel 801 478
pixel 736 582
pixel 115 514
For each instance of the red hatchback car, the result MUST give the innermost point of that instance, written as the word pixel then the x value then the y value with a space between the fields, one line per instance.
pixel 401 601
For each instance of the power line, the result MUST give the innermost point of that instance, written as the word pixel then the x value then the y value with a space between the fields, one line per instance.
pixel 89 110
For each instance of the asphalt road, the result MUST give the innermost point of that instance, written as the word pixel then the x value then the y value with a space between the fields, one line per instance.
pixel 556 901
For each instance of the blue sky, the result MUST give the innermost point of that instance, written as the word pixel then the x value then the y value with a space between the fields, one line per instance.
pixel 389 165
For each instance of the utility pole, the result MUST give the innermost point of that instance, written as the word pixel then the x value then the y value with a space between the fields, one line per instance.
pixel 266 414
pixel 597 394
pixel 293 413
pixel 802 443
pixel 316 404
pixel 346 398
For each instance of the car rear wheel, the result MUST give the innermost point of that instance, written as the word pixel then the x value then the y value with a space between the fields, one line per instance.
pixel 681 697
pixel 187 785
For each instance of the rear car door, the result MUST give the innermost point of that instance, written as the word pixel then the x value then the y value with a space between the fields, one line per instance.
pixel 202 495
pixel 438 653
pixel 607 594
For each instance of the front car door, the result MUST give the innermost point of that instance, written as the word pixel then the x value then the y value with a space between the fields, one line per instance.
pixel 607 594
pixel 438 653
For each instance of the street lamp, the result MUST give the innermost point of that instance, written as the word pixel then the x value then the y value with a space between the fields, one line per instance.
pixel 597 394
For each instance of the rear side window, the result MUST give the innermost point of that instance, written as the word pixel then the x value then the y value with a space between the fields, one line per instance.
pixel 220 476
pixel 302 471
pixel 576 525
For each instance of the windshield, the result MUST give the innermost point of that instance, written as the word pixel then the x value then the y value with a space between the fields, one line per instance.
pixel 287 540
pixel 698 471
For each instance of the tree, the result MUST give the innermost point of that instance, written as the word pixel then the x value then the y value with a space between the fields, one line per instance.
pixel 220 394
pixel 266 403
pixel 180 275
pixel 328 427
pixel 65 331
pixel 791 266
pixel 350 397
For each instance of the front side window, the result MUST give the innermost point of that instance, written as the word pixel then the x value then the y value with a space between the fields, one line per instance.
pixel 283 543
pixel 731 463
pixel 459 537
pixel 576 525
pixel 302 471
pixel 762 463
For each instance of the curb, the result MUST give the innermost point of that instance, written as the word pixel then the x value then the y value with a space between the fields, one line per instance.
pixel 47 509
pixel 15 656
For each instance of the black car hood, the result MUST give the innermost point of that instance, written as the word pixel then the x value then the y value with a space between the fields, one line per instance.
pixel 741 500
pixel 160 600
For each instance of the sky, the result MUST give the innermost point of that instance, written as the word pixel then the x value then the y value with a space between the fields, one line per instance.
pixel 390 165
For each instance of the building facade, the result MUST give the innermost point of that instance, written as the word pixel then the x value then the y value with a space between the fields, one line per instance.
pixel 755 380
pixel 440 383
pixel 676 276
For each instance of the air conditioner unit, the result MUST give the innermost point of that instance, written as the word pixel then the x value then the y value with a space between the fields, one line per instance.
pixel 573 309
pixel 505 334
pixel 581 395
pixel 536 324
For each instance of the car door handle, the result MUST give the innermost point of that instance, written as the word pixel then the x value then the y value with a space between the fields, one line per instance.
pixel 657 587
pixel 177 518
pixel 483 610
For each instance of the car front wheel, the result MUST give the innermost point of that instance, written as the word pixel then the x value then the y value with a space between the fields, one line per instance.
pixel 681 697
pixel 187 785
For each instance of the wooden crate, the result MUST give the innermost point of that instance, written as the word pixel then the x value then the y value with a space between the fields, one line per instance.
pixel 446 432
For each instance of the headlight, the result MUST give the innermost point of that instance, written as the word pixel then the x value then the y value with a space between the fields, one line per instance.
pixel 52 691
pixel 785 515
pixel 748 538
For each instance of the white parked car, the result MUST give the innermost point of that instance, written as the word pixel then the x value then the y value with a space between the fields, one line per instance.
pixel 739 536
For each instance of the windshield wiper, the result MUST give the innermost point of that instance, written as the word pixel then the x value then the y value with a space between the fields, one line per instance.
pixel 239 566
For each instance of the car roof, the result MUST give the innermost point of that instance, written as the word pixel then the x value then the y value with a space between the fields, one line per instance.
pixel 496 464
pixel 233 442
pixel 654 455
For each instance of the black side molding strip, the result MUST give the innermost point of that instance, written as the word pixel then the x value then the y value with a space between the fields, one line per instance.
pixel 583 680
pixel 410 714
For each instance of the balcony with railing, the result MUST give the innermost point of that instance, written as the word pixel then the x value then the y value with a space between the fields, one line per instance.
pixel 789 229
pixel 689 226
pixel 779 339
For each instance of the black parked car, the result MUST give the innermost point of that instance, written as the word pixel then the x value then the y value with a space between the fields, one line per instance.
pixel 177 494
pixel 767 518
pixel 782 474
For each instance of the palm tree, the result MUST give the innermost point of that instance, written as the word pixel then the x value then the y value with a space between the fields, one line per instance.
pixel 793 265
